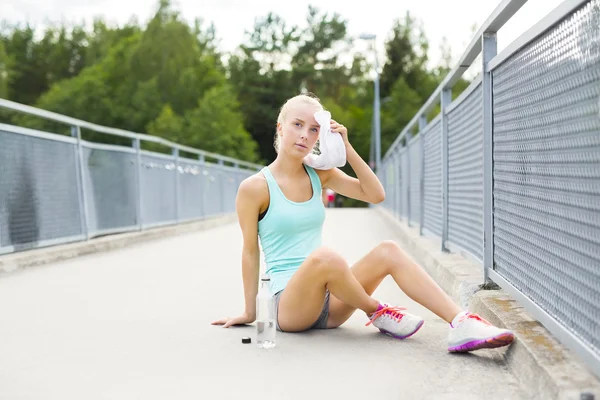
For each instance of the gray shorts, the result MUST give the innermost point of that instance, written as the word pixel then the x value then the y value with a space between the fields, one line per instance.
pixel 320 323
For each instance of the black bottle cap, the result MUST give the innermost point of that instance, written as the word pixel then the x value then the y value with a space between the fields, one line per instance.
pixel 246 340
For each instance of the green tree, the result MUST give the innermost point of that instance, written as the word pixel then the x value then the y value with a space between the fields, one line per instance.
pixel 278 61
pixel 259 71
pixel 27 78
pixel 167 125
pixel 406 56
pixel 216 125
pixel 151 80
pixel 167 78
pixel 170 53
pixel 403 104
pixel 103 38
pixel 58 55
pixel 315 65
pixel 5 71
pixel 100 94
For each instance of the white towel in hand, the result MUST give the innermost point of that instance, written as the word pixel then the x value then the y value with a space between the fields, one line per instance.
pixel 331 145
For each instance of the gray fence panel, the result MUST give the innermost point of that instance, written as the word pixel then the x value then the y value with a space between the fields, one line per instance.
pixel 547 172
pixel 390 183
pixel 191 189
pixel 158 189
pixel 39 202
pixel 404 183
pixel 110 188
pixel 230 186
pixel 212 189
pixel 432 175
pixel 465 174
pixel 415 180
pixel 397 182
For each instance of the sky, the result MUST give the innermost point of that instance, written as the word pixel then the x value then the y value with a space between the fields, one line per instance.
pixel 451 19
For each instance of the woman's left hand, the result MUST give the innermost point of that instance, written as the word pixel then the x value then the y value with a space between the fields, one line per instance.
pixel 341 129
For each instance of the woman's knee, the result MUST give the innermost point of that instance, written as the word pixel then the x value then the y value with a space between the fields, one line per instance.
pixel 326 260
pixel 391 254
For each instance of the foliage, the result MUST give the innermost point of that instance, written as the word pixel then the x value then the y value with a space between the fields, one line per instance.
pixel 168 79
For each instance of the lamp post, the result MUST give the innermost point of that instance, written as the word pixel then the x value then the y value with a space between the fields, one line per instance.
pixel 376 103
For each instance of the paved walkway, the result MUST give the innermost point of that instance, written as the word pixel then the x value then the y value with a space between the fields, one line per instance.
pixel 134 324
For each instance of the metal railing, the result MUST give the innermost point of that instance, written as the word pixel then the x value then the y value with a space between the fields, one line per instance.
pixel 509 172
pixel 58 189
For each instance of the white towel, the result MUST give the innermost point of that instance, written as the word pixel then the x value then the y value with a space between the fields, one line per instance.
pixel 331 145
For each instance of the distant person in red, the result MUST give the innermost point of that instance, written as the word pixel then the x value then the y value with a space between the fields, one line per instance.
pixel 330 197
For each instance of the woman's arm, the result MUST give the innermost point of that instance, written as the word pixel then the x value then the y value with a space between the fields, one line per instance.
pixel 366 186
pixel 248 202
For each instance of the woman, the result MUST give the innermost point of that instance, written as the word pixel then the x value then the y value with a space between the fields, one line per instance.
pixel 313 286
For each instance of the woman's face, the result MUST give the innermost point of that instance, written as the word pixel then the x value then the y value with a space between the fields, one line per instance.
pixel 299 131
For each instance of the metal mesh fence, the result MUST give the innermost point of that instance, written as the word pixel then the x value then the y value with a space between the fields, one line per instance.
pixel 404 183
pixel 391 183
pixel 414 151
pixel 465 174
pixel 110 180
pixel 158 189
pixel 547 172
pixel 387 180
pixel 191 189
pixel 230 184
pixel 397 182
pixel 38 191
pixel 213 193
pixel 432 177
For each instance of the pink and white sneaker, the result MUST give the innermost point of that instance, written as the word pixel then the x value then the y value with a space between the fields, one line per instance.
pixel 473 333
pixel 395 321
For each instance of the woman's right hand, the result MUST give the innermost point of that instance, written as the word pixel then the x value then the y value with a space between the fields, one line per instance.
pixel 245 318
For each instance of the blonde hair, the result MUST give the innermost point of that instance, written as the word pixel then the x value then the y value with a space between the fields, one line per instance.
pixel 305 98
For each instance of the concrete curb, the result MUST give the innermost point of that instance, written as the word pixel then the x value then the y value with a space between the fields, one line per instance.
pixel 544 367
pixel 16 261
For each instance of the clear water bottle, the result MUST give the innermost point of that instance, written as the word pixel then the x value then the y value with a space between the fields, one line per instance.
pixel 265 315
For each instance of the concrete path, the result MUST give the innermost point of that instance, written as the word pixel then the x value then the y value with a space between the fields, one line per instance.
pixel 134 324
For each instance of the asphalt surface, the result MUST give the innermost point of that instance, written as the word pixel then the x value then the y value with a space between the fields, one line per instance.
pixel 135 324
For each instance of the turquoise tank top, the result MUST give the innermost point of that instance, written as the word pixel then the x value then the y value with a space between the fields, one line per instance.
pixel 289 231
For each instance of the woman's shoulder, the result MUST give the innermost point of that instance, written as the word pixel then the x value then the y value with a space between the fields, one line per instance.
pixel 254 188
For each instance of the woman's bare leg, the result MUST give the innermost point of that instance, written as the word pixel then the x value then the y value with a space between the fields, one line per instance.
pixel 389 259
pixel 302 300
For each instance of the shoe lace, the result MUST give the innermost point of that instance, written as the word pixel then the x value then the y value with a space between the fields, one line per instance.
pixel 396 313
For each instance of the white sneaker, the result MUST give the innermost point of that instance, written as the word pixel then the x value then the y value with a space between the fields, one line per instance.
pixel 395 321
pixel 473 333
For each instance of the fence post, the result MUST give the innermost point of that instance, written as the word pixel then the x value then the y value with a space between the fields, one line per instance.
pixel 422 126
pixel 81 189
pixel 408 178
pixel 391 164
pixel 445 101
pixel 400 185
pixel 489 51
pixel 397 183
pixel 137 144
pixel 175 153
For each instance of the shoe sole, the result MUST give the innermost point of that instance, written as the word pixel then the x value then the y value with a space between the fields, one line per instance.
pixel 405 336
pixel 490 343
